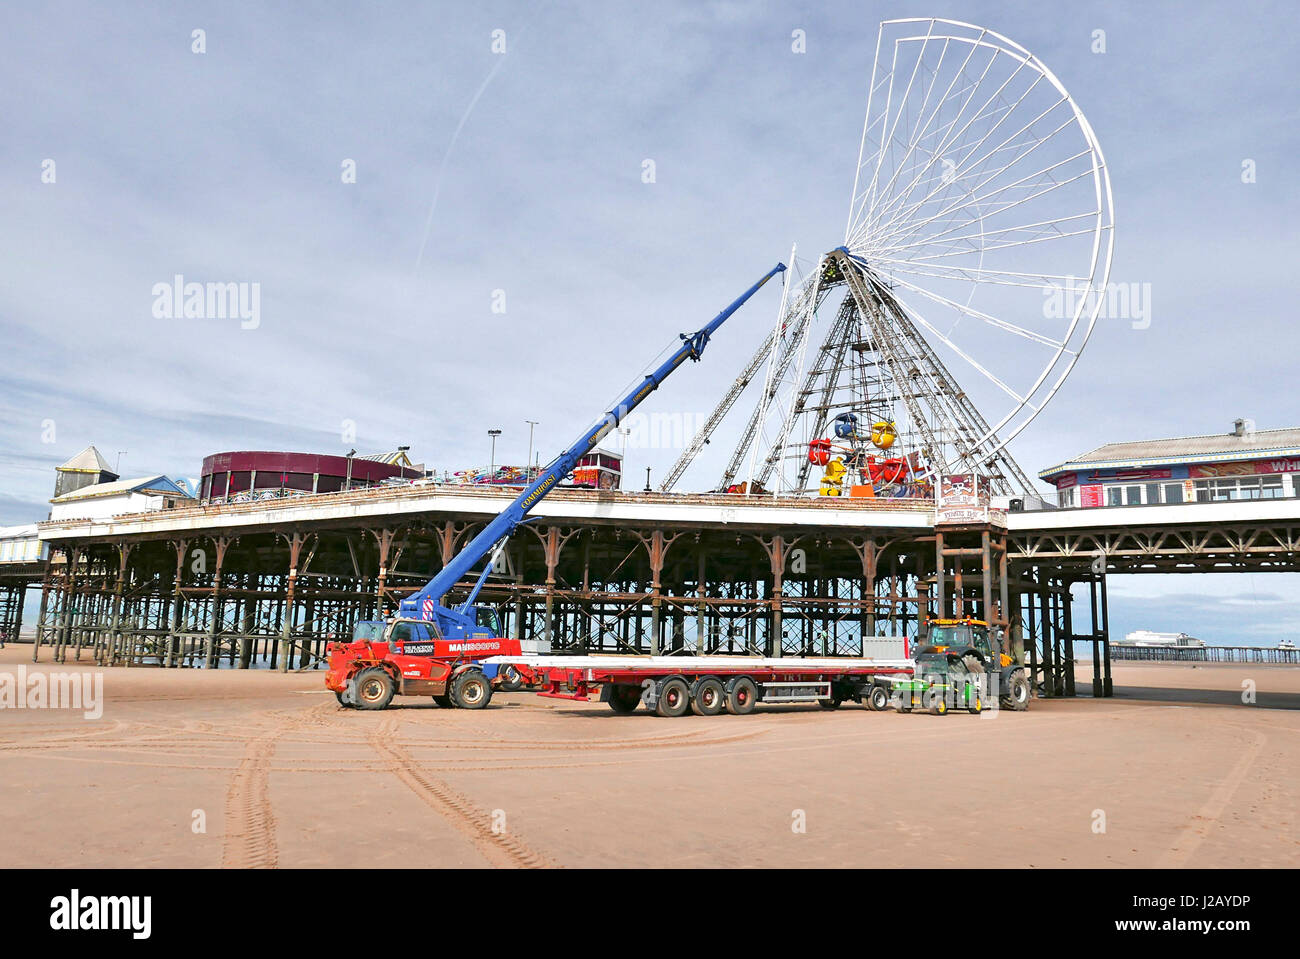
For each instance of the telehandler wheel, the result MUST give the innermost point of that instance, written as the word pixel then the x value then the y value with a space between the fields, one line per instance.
pixel 741 696
pixel 878 698
pixel 708 697
pixel 471 690
pixel 444 701
pixel 673 697
pixel 375 688
pixel 624 698
pixel 1017 695
pixel 342 702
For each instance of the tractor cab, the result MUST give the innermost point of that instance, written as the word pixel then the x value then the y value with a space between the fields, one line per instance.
pixel 963 634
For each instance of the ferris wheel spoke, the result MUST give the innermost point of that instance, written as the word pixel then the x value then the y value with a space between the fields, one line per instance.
pixel 967 169
pixel 1005 110
pixel 974 118
pixel 975 364
pixel 917 136
pixel 1001 208
pixel 979 315
pixel 1037 229
pixel 1033 281
pixel 888 135
pixel 986 179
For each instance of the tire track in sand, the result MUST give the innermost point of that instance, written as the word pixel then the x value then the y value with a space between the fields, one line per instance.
pixel 249 841
pixel 498 848
pixel 1198 829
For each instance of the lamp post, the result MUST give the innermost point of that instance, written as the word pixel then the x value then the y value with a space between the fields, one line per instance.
pixel 348 483
pixel 492 466
pixel 647 480
pixel 528 463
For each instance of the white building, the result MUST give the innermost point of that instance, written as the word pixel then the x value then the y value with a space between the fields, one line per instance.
pixel 102 500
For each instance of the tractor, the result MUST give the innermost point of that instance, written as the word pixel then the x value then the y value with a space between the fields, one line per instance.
pixel 981 649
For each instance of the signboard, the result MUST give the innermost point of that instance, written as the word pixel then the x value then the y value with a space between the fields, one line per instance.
pixel 1089 495
pixel 1253 468
pixel 1136 475
pixel 962 498
pixel 1067 481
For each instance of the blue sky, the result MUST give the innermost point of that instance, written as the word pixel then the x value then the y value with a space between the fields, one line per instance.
pixel 376 302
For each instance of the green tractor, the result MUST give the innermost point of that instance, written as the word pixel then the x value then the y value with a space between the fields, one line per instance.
pixel 980 649
pixel 941 680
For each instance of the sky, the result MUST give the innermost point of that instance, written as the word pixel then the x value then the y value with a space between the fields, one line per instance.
pixel 499 257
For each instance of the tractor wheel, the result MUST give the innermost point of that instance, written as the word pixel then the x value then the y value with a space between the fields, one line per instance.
pixel 624 698
pixel 973 703
pixel 375 688
pixel 471 690
pixel 673 697
pixel 741 696
pixel 509 680
pixel 708 697
pixel 940 708
pixel 878 698
pixel 1017 694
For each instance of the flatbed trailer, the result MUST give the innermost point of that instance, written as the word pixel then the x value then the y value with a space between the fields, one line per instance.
pixel 708 685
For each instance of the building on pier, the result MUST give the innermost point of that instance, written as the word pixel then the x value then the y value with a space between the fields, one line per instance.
pixel 1243 464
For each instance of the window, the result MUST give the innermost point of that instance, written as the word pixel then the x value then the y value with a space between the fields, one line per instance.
pixel 1238 488
pixel 1153 492
pixel 1065 497
pixel 486 618
pixel 1114 496
pixel 1173 492
pixel 1133 495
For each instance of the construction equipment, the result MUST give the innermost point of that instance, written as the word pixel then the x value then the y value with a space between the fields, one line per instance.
pixel 429 649
pixel 939 681
pixel 980 649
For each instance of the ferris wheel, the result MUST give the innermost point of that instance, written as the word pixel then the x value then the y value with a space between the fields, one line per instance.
pixel 982 202
pixel 973 270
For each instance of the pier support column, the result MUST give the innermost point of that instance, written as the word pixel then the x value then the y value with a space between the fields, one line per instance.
pixel 178 604
pixel 41 624
pixel 113 647
pixel 295 541
pixel 215 611
pixel 1107 686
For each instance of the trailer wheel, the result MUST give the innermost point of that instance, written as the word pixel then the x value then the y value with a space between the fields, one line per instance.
pixel 471 690
pixel 672 698
pixel 444 701
pixel 878 698
pixel 624 698
pixel 708 697
pixel 375 688
pixel 830 702
pixel 1017 697
pixel 741 696
pixel 509 679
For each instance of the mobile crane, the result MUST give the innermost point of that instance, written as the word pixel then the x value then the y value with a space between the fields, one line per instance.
pixel 429 649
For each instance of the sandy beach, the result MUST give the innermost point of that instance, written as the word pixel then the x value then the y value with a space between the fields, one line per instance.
pixel 219 768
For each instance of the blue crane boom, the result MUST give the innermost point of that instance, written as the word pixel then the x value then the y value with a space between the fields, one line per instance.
pixel 462 621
